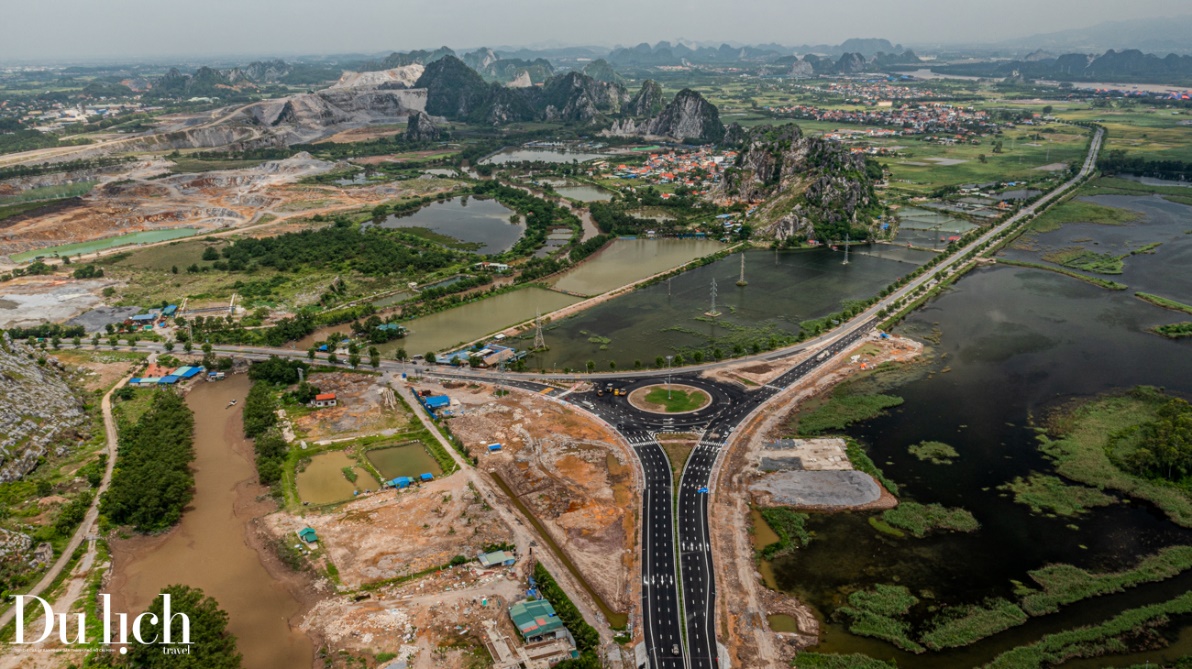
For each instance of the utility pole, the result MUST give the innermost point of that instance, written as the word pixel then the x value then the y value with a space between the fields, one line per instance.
pixel 741 282
pixel 846 242
pixel 668 375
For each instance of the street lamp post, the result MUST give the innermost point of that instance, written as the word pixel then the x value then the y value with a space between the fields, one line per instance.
pixel 668 376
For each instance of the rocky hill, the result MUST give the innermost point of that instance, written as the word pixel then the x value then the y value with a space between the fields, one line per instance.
pixel 1129 66
pixel 420 128
pixel 39 413
pixel 456 91
pixel 647 102
pixel 600 70
pixel 687 118
pixel 811 188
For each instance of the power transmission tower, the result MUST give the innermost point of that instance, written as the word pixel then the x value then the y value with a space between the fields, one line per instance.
pixel 539 341
pixel 712 312
pixel 846 243
pixel 742 282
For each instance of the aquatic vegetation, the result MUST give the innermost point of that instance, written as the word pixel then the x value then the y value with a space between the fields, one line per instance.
pixel 964 625
pixel 935 452
pixel 923 519
pixel 1049 494
pixel 1065 584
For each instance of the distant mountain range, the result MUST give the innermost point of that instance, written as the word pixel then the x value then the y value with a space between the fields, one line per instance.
pixel 1130 66
pixel 1158 35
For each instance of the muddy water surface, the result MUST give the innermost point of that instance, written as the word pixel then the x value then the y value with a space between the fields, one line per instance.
pixel 209 549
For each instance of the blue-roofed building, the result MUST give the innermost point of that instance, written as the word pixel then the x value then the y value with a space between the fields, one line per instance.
pixel 143 318
pixel 437 402
pixel 427 477
pixel 188 372
pixel 168 380
pixel 401 482
pixel 170 310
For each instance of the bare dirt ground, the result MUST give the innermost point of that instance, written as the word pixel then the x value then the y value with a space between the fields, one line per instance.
pixel 99 369
pixel 361 409
pixel 138 199
pixel 29 300
pixel 571 471
pixel 742 619
pixel 436 621
pixel 388 535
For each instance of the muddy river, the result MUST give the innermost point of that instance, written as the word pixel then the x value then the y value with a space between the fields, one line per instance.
pixel 210 548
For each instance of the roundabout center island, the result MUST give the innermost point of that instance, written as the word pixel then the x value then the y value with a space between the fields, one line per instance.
pixel 674 398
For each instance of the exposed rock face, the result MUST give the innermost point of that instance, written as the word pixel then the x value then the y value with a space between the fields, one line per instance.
pixel 688 117
pixel 39 413
pixel 421 129
pixel 480 58
pixel 801 69
pixel 399 77
pixel 577 97
pixel 850 63
pixel 456 91
pixel 814 188
pixel 648 101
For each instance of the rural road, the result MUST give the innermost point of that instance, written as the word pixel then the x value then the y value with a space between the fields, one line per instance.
pixel 87 527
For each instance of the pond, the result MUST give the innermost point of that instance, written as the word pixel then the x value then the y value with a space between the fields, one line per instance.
pixel 322 481
pixel 628 260
pixel 784 289
pixel 481 222
pixel 541 155
pixel 83 248
pixel 474 320
pixel 406 460
pixel 584 193
pixel 1014 343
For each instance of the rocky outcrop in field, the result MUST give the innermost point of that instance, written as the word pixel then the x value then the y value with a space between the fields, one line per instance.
pixel 688 117
pixel 39 412
pixel 812 188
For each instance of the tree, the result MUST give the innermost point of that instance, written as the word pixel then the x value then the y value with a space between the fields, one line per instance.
pixel 56 343
pixel 207 348
pixel 430 357
pixel 173 269
pixel 401 354
pixel 95 339
pixel 612 364
pixel 660 362
pixel 1047 109
pixel 113 341
pixel 212 645
pixel 76 341
pixel 354 360
pixel 210 253
pixel 188 346
pixel 591 365
pixel 169 346
pixel 311 352
pixel 982 159
pixel 332 358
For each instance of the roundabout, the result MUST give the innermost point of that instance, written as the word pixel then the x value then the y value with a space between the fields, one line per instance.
pixel 669 399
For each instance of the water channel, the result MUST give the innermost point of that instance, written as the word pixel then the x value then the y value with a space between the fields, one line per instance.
pixel 1013 344
pixel 209 548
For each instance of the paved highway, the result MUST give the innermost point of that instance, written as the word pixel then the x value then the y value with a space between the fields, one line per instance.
pixel 678 580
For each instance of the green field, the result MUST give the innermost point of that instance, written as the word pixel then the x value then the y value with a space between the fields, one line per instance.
pixel 1151 133
pixel 83 248
pixel 677 400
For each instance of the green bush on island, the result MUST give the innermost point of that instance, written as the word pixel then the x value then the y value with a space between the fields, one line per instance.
pixel 1049 494
pixel 964 625
pixel 1078 442
pixel 935 452
pixel 1088 261
pixel 1102 283
pixel 922 519
pixel 877 613
pixel 1174 330
pixel 1164 302
pixel 1116 635
pixel 791 528
pixel 1064 583
pixel 1157 449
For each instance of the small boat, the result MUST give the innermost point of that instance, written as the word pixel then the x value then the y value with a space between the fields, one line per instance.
pixel 231 404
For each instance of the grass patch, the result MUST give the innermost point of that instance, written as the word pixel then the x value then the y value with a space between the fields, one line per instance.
pixel 677 453
pixel 923 519
pixel 833 661
pixel 1065 584
pixel 935 452
pixel 863 463
pixel 1174 330
pixel 1088 261
pixel 965 625
pixel 1079 211
pixel 791 528
pixel 677 400
pixel 1164 302
pixel 1100 283
pixel 10 210
pixel 877 613
pixel 843 408
pixel 1117 635
pixel 1049 494
pixel 882 526
pixel 1077 445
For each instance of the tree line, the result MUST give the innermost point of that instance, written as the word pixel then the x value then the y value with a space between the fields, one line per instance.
pixel 152 482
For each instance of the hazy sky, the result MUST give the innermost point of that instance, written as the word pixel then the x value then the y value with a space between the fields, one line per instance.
pixel 71 29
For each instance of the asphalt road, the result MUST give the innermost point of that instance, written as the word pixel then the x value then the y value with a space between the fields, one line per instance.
pixel 678 588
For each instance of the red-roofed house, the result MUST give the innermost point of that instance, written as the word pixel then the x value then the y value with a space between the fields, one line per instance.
pixel 324 400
